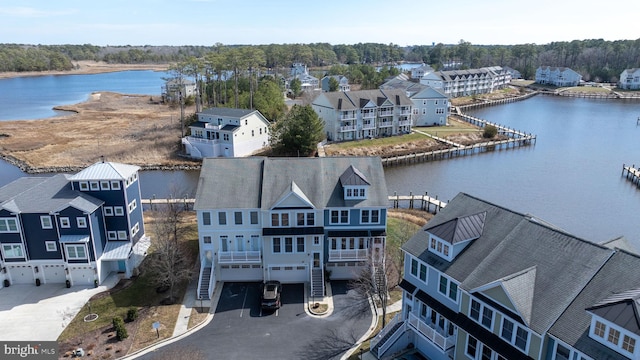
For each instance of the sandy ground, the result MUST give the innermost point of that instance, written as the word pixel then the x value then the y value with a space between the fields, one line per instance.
pixel 88 67
pixel 134 129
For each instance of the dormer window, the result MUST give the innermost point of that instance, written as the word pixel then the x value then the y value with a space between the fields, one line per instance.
pixel 612 336
pixel 614 323
pixel 354 184
pixel 440 248
pixel 355 193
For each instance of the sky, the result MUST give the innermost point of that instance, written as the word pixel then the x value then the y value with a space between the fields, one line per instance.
pixel 256 22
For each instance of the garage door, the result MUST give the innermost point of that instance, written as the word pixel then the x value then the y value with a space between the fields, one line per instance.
pixel 21 274
pixel 81 275
pixel 53 274
pixel 289 274
pixel 241 272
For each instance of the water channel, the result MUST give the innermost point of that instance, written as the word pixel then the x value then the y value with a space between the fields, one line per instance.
pixel 571 177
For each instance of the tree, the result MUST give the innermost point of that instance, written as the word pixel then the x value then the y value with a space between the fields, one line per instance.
pixel 371 283
pixel 296 87
pixel 269 99
pixel 298 133
pixel 489 132
pixel 170 260
pixel 333 84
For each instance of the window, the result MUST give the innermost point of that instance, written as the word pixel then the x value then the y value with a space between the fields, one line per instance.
pixel 82 222
pixel 300 244
pixel 316 240
pixel 284 219
pixel 12 251
pixel 108 211
pixel 487 353
pixel 64 223
pixel 487 317
pixel 104 185
pixel 507 330
pixel 614 336
pixel 448 288
pixel 599 329
pixel 84 186
pixel 225 137
pixel 76 252
pixel 443 285
pixel 453 291
pixel 288 245
pixel 206 239
pixel 206 218
pixel 112 235
pixel 224 243
pixel 122 235
pixel 135 229
pixel 51 246
pixel 339 216
pixel 222 218
pixel 423 272
pixel 254 217
pixel 628 344
pixel 132 205
pixel 238 217
pixel 115 185
pixel 300 219
pixel 118 210
pixel 276 245
pixel 95 186
pixel 475 310
pixel 8 225
pixel 522 337
pixel 472 346
pixel 45 221
pixel 414 267
pixel 311 219
pixel 369 216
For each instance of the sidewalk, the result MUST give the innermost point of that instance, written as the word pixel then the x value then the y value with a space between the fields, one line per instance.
pixel 188 303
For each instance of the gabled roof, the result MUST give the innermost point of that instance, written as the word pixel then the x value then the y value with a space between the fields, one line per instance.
pixel 265 180
pixel 460 229
pixel 106 171
pixel 353 176
pixel 622 309
pixel 45 195
pixel 429 93
pixel 296 193
pixel 228 112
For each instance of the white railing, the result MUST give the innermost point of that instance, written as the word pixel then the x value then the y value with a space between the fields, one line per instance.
pixel 404 122
pixel 385 346
pixel 351 254
pixel 347 128
pixel 211 126
pixel 405 112
pixel 369 115
pixel 442 341
pixel 201 140
pixel 347 117
pixel 385 124
pixel 238 256
pixel 203 264
pixel 368 126
pixel 385 113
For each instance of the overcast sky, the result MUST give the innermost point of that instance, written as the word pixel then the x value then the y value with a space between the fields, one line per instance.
pixel 253 22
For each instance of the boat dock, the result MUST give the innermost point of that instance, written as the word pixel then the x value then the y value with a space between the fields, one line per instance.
pixel 632 173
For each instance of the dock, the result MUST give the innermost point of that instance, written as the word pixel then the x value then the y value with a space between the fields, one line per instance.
pixel 632 173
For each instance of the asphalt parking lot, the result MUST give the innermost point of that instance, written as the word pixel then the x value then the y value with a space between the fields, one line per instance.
pixel 241 330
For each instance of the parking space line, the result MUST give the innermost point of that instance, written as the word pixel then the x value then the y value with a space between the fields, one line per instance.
pixel 246 291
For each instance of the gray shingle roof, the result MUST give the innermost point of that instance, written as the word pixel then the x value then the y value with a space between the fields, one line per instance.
pixel 460 229
pixel 228 112
pixel 258 182
pixel 353 176
pixel 45 195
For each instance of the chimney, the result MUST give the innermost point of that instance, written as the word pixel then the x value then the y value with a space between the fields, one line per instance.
pixel 339 104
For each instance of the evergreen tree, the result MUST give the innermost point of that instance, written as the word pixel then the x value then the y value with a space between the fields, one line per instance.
pixel 298 133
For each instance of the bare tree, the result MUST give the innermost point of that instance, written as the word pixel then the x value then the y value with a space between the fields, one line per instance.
pixel 371 283
pixel 169 260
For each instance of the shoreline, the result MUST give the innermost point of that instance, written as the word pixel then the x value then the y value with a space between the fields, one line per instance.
pixel 87 67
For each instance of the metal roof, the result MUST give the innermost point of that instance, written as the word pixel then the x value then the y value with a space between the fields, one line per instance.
pixel 106 171
pixel 116 250
pixel 74 239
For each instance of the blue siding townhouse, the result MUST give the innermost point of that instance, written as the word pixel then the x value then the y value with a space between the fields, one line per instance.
pixel 294 220
pixel 77 228
pixel 484 282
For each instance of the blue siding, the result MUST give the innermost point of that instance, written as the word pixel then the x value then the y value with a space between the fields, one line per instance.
pixel 36 236
pixel 98 236
pixel 133 192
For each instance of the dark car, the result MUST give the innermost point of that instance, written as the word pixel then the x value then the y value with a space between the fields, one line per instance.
pixel 271 295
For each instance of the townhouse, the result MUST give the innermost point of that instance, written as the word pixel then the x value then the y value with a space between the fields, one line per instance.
pixel 484 282
pixel 557 76
pixel 363 114
pixel 342 81
pixel 76 229
pixel 296 220
pixel 630 79
pixel 456 83
pixel 430 105
pixel 225 132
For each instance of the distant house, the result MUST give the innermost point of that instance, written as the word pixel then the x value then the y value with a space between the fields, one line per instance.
pixel 176 88
pixel 224 132
pixel 78 228
pixel 362 114
pixel 430 105
pixel 515 74
pixel 419 71
pixel 484 282
pixel 470 82
pixel 294 220
pixel 630 79
pixel 343 82
pixel 308 82
pixel 557 76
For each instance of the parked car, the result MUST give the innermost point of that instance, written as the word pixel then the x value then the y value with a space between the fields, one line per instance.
pixel 271 295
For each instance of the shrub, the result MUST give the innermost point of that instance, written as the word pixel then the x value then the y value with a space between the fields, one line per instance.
pixel 490 131
pixel 132 314
pixel 121 330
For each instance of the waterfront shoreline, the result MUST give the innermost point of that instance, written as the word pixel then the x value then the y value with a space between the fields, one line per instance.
pixel 86 67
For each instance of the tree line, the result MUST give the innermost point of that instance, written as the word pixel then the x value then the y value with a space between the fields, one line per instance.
pixel 595 59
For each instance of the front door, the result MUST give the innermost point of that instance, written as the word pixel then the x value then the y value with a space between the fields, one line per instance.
pixel 316 260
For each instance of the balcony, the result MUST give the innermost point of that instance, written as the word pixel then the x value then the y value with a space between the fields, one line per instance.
pixel 434 335
pixel 369 126
pixel 385 113
pixel 368 114
pixel 347 128
pixel 383 124
pixel 211 126
pixel 347 116
pixel 348 255
pixel 405 112
pixel 238 256
pixel 404 122
pixel 195 139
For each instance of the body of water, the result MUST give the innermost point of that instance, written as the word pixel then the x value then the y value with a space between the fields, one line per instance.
pixel 34 97
pixel 571 177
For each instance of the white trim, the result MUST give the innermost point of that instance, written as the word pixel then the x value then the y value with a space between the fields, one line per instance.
pixel 118 210
pixel 81 222
pixel 51 246
pixel 105 185
pixel 76 247
pixel 108 210
pixel 115 185
pixel 6 222
pixel 94 185
pixel 65 223
pixel 45 222
pixel 12 246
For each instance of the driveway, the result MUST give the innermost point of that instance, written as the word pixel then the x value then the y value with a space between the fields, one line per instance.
pixel 241 330
pixel 40 313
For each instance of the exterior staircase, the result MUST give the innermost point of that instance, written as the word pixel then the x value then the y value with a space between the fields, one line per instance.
pixel 317 283
pixel 380 279
pixel 204 283
pixel 386 337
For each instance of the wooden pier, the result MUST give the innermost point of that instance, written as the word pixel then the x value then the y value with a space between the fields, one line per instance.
pixel 496 102
pixel 632 173
pixel 421 202
pixel 185 202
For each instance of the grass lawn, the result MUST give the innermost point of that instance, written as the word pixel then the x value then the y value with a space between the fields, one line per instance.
pixel 391 140
pixel 586 89
pixel 455 127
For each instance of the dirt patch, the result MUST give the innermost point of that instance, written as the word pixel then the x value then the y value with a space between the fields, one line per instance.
pixel 133 129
